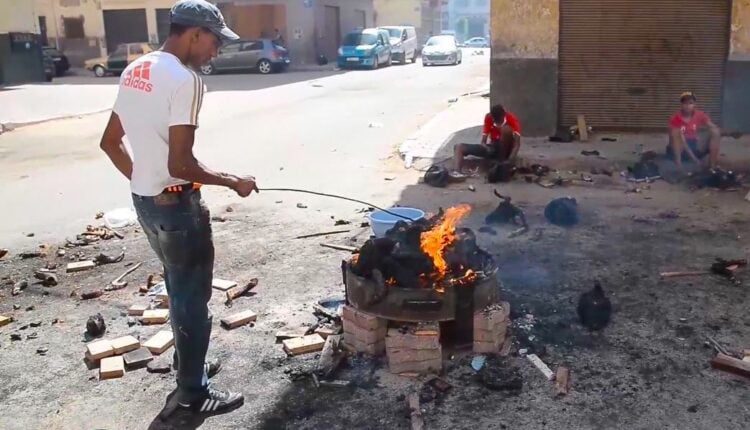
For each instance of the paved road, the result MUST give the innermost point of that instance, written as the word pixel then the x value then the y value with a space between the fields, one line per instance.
pixel 330 131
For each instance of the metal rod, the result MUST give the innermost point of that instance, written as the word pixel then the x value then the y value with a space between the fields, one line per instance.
pixel 294 190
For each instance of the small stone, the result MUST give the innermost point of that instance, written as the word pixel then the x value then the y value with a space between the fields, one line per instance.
pixel 55 321
pixel 36 324
pixel 301 206
pixel 15 337
pixel 131 321
pixel 16 307
pixel 61 253
pixel 42 350
pixel 230 209
pixel 29 234
pixel 692 408
pixel 32 336
pixel 30 308
pixel 160 365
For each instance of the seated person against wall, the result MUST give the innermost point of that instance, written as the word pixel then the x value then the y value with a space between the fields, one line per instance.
pixel 501 139
pixel 692 134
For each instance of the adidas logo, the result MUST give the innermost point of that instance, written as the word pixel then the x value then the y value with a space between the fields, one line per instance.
pixel 139 77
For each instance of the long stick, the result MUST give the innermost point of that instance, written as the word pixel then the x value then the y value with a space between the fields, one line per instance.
pixel 683 274
pixel 294 190
pixel 325 233
pixel 117 283
pixel 351 249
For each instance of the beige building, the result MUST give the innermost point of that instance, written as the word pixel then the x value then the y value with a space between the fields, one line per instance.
pixel 20 52
pixel 89 28
pixel 424 15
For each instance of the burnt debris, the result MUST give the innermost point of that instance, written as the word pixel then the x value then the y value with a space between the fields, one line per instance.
pixel 562 211
pixel 594 308
pixel 398 259
pixel 506 212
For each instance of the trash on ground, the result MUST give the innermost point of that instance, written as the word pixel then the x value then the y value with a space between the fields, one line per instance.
pixel 562 381
pixel 562 211
pixel 88 295
pixel 539 364
pixel 48 279
pixel 95 325
pixel 119 283
pixel 506 212
pixel 238 291
pixel 478 362
pixel 301 206
pixel 119 218
pixel 730 364
pixel 303 345
pixel 238 319
pixel 80 266
pixel 590 153
pixel 437 176
pixel 325 233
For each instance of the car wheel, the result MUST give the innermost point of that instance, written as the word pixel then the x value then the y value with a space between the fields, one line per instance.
pixel 208 69
pixel 265 67
pixel 99 71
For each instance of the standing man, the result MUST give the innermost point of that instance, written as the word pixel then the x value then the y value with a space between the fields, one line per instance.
pixel 501 139
pixel 157 107
pixel 685 140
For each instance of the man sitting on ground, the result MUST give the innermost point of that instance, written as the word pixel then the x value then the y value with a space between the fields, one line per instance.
pixel 501 139
pixel 685 140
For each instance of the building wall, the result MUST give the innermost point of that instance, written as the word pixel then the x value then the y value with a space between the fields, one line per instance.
pixel 398 12
pixel 23 62
pixel 740 42
pixel 523 28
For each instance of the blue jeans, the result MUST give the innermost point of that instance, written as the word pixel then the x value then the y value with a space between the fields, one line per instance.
pixel 178 228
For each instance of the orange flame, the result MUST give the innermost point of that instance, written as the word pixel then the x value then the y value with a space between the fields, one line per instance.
pixel 435 241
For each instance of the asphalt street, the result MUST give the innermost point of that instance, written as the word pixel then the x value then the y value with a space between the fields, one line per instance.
pixel 328 131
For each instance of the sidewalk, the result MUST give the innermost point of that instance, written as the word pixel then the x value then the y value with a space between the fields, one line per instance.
pixel 33 103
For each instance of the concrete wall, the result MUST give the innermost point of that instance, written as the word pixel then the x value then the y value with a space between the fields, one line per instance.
pixel 740 41
pixel 17 16
pixel 523 66
pixel 398 12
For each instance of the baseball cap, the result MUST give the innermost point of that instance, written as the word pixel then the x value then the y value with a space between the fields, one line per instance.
pixel 687 95
pixel 200 13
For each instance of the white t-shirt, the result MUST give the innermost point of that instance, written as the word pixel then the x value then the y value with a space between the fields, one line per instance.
pixel 156 92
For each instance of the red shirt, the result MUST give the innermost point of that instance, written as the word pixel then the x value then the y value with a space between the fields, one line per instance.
pixel 689 128
pixel 494 131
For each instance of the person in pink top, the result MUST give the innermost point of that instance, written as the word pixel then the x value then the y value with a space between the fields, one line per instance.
pixel 692 134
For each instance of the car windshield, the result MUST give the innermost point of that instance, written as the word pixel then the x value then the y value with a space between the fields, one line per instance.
pixel 394 32
pixel 356 39
pixel 440 41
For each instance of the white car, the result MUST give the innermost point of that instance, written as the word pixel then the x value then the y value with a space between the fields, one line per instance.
pixel 441 49
pixel 477 42
pixel 403 41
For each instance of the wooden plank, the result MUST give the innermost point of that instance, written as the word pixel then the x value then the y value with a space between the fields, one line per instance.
pixel 304 345
pixel 240 319
pixel 351 249
pixel 562 381
pixel 99 349
pixel 328 330
pixel 137 358
pixel 223 285
pixel 80 266
pixel 731 364
pixel 111 368
pixel 137 310
pixel 125 344
pixel 417 421
pixel 155 316
pixel 331 357
pixel 539 364
pixel 160 342
pixel 583 130
pixel 5 320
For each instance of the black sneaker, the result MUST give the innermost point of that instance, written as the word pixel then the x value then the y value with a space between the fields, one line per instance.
pixel 212 367
pixel 215 401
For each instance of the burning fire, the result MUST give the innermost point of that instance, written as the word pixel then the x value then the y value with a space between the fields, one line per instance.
pixel 443 235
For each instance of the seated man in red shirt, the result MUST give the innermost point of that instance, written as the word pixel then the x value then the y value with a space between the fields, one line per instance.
pixel 685 127
pixel 501 139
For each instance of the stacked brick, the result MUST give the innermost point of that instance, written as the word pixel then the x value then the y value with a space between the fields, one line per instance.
pixel 364 332
pixel 414 349
pixel 491 329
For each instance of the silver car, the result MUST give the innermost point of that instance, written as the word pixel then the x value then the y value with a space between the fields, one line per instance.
pixel 263 55
pixel 441 49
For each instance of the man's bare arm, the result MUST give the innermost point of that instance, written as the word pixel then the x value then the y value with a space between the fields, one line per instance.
pixel 183 164
pixel 113 146
pixel 516 146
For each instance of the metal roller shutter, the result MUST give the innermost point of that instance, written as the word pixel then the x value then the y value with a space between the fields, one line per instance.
pixel 624 63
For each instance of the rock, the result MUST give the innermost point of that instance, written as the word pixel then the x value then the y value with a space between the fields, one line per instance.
pixel 32 336
pixel 301 206
pixel 42 350
pixel 30 308
pixel 3 252
pixel 692 408
pixel 18 287
pixel 131 321
pixel 15 337
pixel 36 324
pixel 48 279
pixel 61 253
pixel 95 326
pixel 160 365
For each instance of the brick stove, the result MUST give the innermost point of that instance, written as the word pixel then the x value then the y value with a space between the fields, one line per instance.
pixel 455 302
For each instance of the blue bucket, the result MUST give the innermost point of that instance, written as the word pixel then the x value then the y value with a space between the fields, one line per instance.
pixel 381 221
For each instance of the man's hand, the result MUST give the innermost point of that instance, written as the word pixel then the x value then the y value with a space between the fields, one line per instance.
pixel 245 185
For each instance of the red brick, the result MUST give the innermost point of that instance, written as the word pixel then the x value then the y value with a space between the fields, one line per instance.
pixel 372 349
pixel 362 319
pixel 435 365
pixel 363 335
pixel 398 355
pixel 481 335
pixel 488 347
pixel 491 320
pixel 396 339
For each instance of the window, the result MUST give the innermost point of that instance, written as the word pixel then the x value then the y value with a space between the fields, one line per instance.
pixel 356 39
pixel 252 46
pixel 73 28
pixel 230 49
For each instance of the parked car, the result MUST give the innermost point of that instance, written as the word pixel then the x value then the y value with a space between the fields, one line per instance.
pixel 263 55
pixel 441 50
pixel 365 48
pixel 61 61
pixel 477 42
pixel 403 42
pixel 49 66
pixel 118 60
